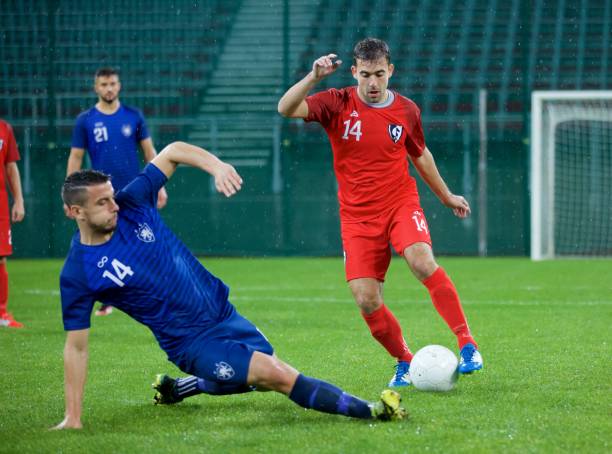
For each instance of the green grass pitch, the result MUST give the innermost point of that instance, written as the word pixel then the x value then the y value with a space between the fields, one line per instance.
pixel 543 328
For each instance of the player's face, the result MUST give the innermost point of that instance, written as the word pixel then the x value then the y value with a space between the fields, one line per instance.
pixel 100 210
pixel 107 88
pixel 372 79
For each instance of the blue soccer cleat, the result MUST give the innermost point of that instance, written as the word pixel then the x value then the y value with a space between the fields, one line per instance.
pixel 471 360
pixel 401 376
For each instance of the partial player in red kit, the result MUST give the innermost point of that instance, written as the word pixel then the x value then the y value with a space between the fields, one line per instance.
pixel 373 132
pixel 9 173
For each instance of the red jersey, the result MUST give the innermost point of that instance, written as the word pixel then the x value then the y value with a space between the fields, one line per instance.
pixel 371 144
pixel 8 153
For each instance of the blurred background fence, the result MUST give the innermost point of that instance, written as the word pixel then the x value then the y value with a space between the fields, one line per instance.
pixel 211 72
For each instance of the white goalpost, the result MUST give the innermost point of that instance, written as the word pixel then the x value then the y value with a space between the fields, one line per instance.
pixel 571 174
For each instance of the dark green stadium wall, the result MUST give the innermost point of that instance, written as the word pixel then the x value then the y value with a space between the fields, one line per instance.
pixel 303 218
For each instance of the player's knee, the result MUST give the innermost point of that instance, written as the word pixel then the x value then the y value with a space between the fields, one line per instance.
pixel 274 376
pixel 420 260
pixel 368 301
pixel 422 270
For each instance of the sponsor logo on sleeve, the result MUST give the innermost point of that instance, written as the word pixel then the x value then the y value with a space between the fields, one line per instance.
pixel 145 233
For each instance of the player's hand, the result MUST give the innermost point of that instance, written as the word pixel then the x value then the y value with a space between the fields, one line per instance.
pixel 18 211
pixel 162 198
pixel 68 423
pixel 227 179
pixel 460 206
pixel 324 66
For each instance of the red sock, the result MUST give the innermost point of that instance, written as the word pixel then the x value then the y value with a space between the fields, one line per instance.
pixel 386 329
pixel 446 301
pixel 3 289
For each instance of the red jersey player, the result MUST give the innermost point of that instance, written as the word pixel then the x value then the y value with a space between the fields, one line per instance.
pixel 9 173
pixel 373 131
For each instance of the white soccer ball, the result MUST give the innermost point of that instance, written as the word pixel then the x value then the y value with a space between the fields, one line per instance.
pixel 434 368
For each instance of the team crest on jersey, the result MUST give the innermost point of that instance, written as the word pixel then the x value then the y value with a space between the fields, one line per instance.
pixel 224 371
pixel 354 113
pixel 395 131
pixel 126 130
pixel 145 233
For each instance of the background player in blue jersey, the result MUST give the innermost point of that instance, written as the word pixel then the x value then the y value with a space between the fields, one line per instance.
pixel 111 133
pixel 124 255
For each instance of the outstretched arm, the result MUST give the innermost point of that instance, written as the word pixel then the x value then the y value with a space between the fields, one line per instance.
pixel 426 166
pixel 227 179
pixel 149 153
pixel 75 374
pixel 293 104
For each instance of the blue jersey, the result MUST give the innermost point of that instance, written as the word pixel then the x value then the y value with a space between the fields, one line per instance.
pixel 112 141
pixel 145 271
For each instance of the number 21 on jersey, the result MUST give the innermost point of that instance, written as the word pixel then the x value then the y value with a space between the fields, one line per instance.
pixel 121 271
pixel 354 130
pixel 100 134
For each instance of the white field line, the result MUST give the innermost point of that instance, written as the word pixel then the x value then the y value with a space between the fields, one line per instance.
pixel 240 296
pixel 39 291
pixel 302 299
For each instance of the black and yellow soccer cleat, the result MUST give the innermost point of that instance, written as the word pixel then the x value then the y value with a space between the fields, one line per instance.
pixel 388 407
pixel 166 390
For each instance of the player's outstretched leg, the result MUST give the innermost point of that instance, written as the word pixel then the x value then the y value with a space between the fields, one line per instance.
pixel 309 392
pixel 172 391
pixel 268 372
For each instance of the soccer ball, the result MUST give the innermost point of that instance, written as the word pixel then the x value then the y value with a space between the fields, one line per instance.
pixel 434 368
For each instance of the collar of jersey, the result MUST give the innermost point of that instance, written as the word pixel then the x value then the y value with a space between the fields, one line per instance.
pixel 387 103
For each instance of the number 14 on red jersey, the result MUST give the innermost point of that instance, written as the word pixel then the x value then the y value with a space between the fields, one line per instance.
pixel 354 130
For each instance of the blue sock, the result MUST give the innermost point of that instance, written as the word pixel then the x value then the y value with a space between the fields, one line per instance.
pixel 322 396
pixel 191 386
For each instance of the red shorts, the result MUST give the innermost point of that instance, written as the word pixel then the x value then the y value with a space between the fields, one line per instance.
pixel 6 245
pixel 366 244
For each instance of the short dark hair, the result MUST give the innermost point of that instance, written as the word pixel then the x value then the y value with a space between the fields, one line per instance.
pixel 371 49
pixel 106 71
pixel 74 189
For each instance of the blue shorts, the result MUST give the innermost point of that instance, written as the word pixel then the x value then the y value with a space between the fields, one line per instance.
pixel 223 353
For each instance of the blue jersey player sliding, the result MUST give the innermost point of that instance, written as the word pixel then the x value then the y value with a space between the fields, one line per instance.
pixel 123 254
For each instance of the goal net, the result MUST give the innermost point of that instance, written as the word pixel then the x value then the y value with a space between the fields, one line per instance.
pixel 571 174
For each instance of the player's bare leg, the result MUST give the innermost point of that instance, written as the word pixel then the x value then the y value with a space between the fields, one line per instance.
pixel 420 259
pixel 368 294
pixel 384 327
